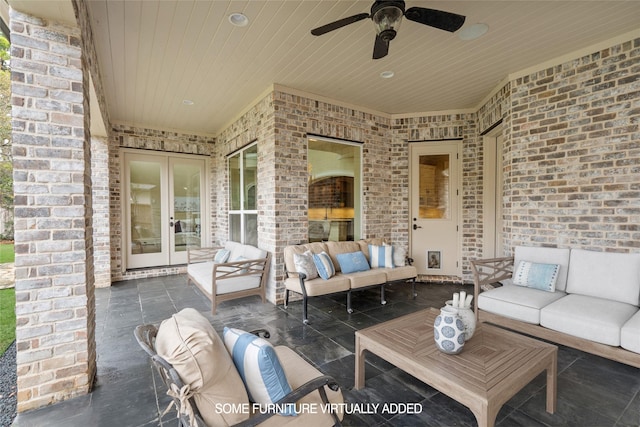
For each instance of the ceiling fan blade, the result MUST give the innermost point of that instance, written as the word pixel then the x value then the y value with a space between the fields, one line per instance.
pixel 380 48
pixel 435 18
pixel 338 24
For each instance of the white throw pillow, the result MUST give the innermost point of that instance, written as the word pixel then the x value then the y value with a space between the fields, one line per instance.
pixel 305 265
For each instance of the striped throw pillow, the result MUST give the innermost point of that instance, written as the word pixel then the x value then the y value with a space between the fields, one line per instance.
pixel 381 256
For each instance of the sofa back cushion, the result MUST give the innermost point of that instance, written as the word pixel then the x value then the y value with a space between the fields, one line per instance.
pixel 613 276
pixel 335 248
pixel 188 341
pixel 543 255
pixel 314 247
pixel 238 251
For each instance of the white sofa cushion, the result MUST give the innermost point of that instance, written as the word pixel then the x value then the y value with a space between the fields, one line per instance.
pixel 202 274
pixel 614 276
pixel 630 334
pixel 592 318
pixel 544 255
pixel 517 302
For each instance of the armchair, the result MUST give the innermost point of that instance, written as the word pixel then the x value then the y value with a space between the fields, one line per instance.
pixel 207 390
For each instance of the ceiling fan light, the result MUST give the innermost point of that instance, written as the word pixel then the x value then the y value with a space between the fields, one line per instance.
pixel 473 32
pixel 387 21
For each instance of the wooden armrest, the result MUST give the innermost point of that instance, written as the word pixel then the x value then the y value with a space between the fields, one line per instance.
pixel 487 271
pixel 245 267
pixel 202 254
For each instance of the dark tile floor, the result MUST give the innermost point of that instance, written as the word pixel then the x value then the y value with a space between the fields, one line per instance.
pixel 591 391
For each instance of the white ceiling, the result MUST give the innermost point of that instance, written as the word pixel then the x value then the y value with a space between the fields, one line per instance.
pixel 153 54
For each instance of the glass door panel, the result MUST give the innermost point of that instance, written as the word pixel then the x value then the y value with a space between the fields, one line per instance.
pixel 145 176
pixel 187 178
pixel 164 210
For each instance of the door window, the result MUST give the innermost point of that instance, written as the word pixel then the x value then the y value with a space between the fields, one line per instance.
pixel 243 181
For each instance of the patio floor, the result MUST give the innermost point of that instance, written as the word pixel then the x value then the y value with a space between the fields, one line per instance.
pixel 591 391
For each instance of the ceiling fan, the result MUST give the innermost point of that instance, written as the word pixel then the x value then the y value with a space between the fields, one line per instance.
pixel 387 15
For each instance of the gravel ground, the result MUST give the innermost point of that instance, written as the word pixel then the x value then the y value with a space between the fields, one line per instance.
pixel 8 388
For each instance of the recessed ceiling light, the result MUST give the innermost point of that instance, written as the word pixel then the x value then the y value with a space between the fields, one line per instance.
pixel 386 74
pixel 187 102
pixel 238 19
pixel 473 32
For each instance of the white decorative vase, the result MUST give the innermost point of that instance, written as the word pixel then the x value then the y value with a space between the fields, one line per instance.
pixel 448 331
pixel 468 318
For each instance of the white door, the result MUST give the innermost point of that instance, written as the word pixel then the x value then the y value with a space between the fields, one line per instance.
pixel 163 209
pixel 435 204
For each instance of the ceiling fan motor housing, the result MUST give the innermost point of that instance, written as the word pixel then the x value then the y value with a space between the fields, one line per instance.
pixel 386 16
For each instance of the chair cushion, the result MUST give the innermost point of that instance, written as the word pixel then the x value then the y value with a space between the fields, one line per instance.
pixel 630 334
pixel 325 267
pixel 592 318
pixel 517 302
pixel 352 262
pixel 258 365
pixel 319 286
pixel 360 279
pixel 381 256
pixel 614 276
pixel 401 273
pixel 304 264
pixel 188 341
pixel 536 275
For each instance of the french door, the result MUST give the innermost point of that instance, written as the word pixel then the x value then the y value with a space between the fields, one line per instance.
pixel 164 208
pixel 435 207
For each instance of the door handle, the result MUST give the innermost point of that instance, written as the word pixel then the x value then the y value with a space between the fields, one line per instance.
pixel 171 222
pixel 416 226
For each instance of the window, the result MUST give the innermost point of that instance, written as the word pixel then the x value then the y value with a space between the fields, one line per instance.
pixel 335 187
pixel 243 209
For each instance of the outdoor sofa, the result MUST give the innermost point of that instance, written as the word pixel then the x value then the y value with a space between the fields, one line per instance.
pixel 592 304
pixel 344 266
pixel 228 272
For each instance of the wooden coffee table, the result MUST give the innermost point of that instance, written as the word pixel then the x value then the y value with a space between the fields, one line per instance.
pixel 493 366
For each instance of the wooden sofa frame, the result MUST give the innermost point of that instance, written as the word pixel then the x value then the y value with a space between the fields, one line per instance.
pixel 490 271
pixel 230 270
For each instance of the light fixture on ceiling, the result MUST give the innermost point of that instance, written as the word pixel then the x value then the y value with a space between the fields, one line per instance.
pixel 473 32
pixel 187 102
pixel 387 74
pixel 238 19
pixel 387 19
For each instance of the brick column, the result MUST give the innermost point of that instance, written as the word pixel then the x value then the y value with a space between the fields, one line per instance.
pixel 55 305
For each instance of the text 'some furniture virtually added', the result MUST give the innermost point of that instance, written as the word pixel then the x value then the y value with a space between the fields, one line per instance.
pixel 494 365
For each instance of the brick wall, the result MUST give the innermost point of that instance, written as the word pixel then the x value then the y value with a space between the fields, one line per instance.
pixel 53 231
pixel 573 156
pixel 280 123
pixel 101 217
